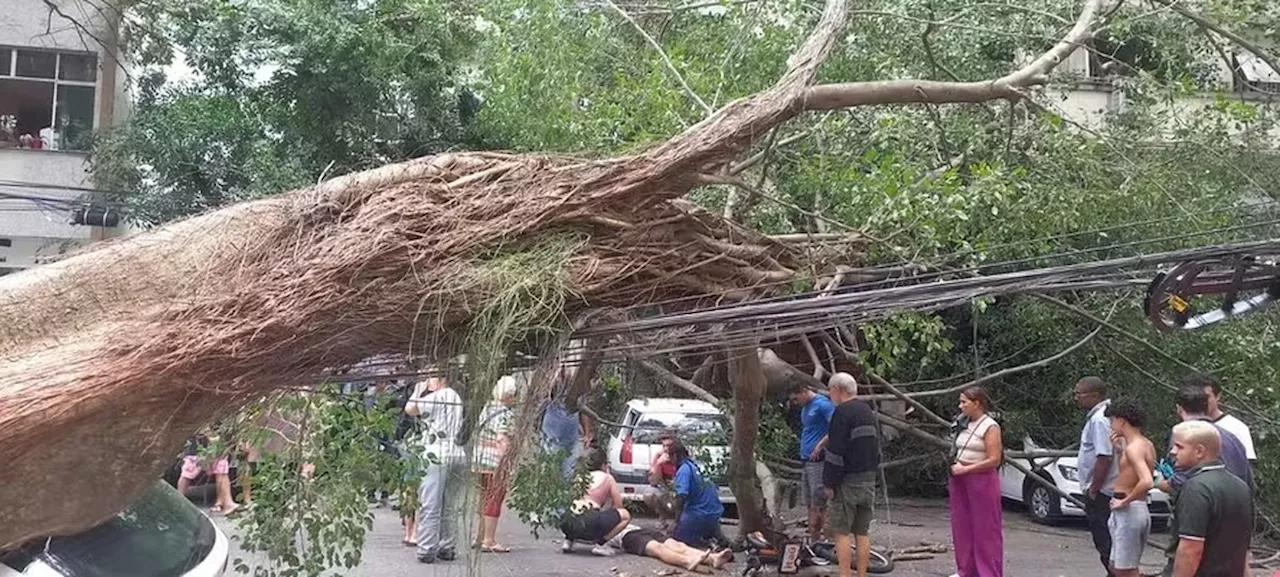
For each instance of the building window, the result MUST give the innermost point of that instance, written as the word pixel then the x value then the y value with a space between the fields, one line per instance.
pixel 46 98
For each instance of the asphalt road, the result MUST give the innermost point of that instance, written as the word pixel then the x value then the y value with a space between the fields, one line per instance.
pixel 1030 550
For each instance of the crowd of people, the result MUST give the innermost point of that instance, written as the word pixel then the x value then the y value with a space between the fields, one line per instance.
pixel 1208 471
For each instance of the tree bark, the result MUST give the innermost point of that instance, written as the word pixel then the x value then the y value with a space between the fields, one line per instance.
pixel 748 381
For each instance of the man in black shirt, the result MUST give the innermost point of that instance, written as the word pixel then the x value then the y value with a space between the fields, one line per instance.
pixel 849 473
pixel 1213 516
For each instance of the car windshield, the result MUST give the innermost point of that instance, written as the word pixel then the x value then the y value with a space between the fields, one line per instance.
pixel 161 535
pixel 694 429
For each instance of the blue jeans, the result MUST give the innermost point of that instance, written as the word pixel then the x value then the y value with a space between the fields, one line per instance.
pixel 570 460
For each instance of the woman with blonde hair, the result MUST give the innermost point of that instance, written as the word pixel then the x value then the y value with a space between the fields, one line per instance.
pixel 491 444
pixel 974 489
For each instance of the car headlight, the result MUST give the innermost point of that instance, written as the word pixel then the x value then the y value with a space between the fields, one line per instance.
pixel 1068 472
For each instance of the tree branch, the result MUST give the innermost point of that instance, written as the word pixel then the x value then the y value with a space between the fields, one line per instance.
pixel 1203 22
pixel 996 375
pixel 666 60
pixel 877 379
pixel 1010 456
pixel 1244 408
pixel 675 379
pixel 1011 86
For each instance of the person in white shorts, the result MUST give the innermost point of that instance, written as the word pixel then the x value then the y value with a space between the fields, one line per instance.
pixel 1130 521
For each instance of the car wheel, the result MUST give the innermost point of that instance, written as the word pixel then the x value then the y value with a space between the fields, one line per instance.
pixel 1043 505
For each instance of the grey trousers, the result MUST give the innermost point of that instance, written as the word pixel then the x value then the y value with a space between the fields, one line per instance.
pixel 442 499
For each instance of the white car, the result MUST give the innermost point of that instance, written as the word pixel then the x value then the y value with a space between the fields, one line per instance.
pixel 160 535
pixel 699 424
pixel 1045 506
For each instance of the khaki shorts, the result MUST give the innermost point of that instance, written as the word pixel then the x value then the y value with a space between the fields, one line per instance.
pixel 850 510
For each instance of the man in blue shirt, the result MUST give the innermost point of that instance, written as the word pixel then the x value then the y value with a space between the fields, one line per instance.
pixel 698 507
pixel 815 419
pixel 560 426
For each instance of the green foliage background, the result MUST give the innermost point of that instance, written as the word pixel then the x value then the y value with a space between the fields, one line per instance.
pixel 291 91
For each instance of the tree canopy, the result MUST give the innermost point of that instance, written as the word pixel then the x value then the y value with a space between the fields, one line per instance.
pixel 288 92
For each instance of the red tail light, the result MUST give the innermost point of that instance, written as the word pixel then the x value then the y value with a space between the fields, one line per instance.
pixel 626 457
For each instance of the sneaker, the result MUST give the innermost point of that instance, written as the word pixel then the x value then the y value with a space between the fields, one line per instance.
pixel 604 551
pixel 447 554
pixel 567 546
pixel 428 559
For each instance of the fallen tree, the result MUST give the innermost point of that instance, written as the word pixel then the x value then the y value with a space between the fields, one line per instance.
pixel 111 358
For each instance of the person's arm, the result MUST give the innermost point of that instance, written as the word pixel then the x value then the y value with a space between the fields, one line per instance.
pixel 655 468
pixel 1187 559
pixel 413 407
pixel 1194 510
pixel 828 410
pixel 837 445
pixel 993 448
pixel 820 447
pixel 615 494
pixel 683 486
pixel 587 427
pixel 1100 435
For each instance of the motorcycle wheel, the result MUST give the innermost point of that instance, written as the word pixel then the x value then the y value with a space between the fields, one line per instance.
pixel 880 563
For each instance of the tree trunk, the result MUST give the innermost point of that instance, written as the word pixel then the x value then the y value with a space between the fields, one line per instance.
pixel 747 378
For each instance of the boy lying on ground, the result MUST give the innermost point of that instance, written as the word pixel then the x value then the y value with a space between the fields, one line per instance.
pixel 652 543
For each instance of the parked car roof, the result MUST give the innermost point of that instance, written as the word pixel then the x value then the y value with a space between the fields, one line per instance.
pixel 693 406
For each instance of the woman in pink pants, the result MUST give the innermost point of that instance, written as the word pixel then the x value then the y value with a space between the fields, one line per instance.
pixel 977 532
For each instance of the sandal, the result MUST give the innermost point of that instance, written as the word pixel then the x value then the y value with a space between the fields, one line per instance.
pixel 495 548
pixel 408 543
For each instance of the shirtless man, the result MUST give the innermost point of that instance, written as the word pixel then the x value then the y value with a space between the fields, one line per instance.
pixel 1130 522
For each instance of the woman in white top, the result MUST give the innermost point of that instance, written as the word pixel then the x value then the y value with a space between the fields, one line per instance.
pixel 976 524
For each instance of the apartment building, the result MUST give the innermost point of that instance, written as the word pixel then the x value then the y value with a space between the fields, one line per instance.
pixel 59 82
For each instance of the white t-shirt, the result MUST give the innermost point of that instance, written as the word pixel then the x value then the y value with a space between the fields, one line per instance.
pixel 1240 430
pixel 441 415
pixel 971 444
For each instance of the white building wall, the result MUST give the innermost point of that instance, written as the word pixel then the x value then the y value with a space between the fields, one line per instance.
pixel 35 230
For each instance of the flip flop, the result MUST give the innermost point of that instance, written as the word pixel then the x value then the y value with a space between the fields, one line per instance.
pixel 495 549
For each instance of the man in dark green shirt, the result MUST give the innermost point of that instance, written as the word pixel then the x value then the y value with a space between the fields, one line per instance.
pixel 1213 513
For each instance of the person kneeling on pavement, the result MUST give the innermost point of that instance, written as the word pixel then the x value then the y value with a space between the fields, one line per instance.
pixel 698 507
pixel 600 514
pixel 849 473
pixel 644 542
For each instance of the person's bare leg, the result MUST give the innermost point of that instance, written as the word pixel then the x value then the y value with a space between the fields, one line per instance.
pixel 410 527
pixel 676 554
pixel 844 554
pixel 183 485
pixel 816 519
pixel 489 537
pixel 225 501
pixel 1126 572
pixel 246 487
pixel 864 553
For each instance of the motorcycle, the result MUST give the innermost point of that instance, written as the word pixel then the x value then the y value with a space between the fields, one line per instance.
pixel 794 554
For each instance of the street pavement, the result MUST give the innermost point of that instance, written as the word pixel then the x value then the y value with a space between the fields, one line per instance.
pixel 1030 550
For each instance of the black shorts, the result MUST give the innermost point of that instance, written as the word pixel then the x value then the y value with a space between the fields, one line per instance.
pixel 635 541
pixel 592 526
